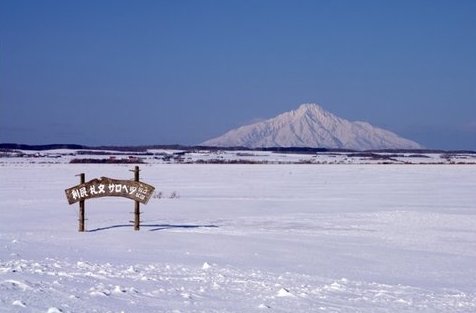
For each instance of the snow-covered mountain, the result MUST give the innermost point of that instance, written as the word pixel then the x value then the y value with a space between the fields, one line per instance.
pixel 312 126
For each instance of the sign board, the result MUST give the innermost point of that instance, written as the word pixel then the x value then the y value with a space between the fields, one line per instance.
pixel 107 187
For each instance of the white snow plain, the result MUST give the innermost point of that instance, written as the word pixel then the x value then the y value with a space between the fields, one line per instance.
pixel 242 238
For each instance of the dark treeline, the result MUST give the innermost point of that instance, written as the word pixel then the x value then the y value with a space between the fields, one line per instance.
pixel 300 150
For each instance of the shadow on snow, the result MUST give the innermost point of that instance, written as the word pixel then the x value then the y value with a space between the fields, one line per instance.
pixel 155 227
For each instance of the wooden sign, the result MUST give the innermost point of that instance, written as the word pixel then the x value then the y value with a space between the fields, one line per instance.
pixel 108 187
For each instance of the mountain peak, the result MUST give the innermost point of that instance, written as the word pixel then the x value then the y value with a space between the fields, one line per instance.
pixel 309 107
pixel 312 126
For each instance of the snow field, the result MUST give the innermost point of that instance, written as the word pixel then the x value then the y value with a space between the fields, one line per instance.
pixel 242 238
pixel 89 287
pixel 161 156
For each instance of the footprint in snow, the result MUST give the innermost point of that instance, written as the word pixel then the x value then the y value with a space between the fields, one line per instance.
pixel 118 290
pixel 17 284
pixel 283 292
pixel 103 293
pixel 19 303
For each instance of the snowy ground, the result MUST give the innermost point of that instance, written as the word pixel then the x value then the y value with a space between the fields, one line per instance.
pixel 242 238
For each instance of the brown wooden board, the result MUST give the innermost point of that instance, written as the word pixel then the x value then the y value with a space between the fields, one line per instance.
pixel 108 187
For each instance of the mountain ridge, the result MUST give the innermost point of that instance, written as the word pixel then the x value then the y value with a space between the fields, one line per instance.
pixel 310 125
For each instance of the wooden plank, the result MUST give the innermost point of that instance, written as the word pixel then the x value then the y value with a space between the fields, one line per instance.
pixel 108 187
pixel 137 204
pixel 82 180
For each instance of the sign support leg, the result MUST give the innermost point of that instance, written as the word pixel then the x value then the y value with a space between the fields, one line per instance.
pixel 137 203
pixel 81 206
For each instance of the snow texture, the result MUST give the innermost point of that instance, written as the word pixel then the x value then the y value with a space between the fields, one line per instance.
pixel 242 238
pixel 311 126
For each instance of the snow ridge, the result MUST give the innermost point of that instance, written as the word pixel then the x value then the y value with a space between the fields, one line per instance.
pixel 312 126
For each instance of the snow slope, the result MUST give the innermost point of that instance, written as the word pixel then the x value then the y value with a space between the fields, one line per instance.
pixel 311 126
pixel 242 238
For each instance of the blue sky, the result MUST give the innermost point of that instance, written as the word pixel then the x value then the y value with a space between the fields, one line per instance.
pixel 166 72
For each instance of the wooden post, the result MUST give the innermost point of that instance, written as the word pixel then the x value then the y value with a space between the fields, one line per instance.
pixel 81 205
pixel 137 203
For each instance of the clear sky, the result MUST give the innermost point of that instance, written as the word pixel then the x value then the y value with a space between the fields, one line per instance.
pixel 167 72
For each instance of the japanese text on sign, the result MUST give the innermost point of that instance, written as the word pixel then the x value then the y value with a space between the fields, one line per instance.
pixel 105 187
